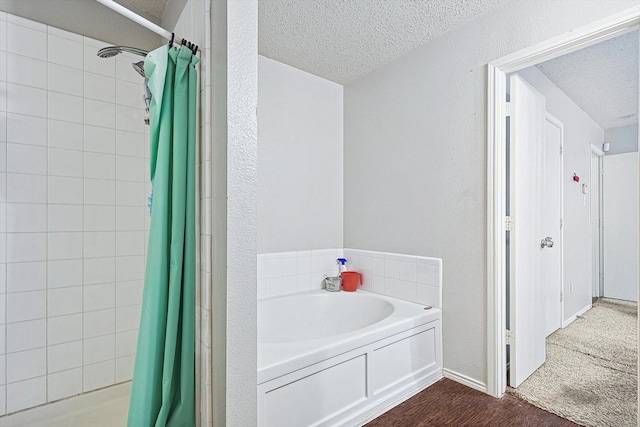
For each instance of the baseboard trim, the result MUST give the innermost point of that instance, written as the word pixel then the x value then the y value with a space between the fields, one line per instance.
pixel 574 317
pixel 464 380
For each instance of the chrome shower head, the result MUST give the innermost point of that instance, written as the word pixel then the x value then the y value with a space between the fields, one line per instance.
pixel 109 51
pixel 139 67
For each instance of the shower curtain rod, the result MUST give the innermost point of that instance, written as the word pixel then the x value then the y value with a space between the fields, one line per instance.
pixel 142 21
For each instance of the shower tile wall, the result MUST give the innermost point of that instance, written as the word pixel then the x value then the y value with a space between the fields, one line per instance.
pixel 73 214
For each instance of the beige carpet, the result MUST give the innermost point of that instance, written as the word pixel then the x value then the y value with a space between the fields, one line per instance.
pixel 590 375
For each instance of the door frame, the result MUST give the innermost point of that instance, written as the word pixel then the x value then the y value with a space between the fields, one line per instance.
pixel 579 38
pixel 599 154
pixel 554 121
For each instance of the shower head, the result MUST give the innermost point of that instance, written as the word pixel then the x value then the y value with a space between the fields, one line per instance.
pixel 109 51
pixel 139 67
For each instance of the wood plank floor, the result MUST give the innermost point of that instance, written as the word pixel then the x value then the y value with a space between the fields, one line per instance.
pixel 448 403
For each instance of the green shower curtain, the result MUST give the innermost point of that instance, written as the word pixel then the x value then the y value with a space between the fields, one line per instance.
pixel 163 389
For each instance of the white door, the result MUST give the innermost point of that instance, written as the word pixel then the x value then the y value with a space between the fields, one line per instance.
pixel 594 191
pixel 526 294
pixel 551 181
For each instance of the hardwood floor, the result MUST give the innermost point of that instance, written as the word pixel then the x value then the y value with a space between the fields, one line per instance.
pixel 448 403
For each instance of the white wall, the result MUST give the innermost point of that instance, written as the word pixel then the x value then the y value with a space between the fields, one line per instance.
pixel 621 226
pixel 234 101
pixel 300 203
pixel 580 131
pixel 73 196
pixel 415 143
pixel 623 139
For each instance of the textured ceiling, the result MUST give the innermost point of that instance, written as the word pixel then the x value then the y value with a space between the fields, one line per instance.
pixel 150 9
pixel 342 40
pixel 601 79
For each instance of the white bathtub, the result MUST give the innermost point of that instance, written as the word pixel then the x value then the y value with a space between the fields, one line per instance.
pixel 342 358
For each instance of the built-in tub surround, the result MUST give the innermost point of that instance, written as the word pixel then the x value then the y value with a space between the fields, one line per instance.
pixel 338 368
pixel 411 278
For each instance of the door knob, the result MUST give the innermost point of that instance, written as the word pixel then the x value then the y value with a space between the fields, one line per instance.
pixel 547 242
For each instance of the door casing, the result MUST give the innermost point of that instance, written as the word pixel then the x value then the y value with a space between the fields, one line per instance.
pixel 596 32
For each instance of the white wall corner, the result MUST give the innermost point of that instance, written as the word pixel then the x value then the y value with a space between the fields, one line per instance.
pixel 464 380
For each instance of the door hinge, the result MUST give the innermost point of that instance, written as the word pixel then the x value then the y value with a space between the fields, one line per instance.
pixel 507 223
pixel 561 296
pixel 560 149
pixel 561 223
pixel 507 108
pixel 507 337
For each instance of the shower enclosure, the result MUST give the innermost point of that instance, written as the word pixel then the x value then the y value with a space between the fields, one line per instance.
pixel 74 221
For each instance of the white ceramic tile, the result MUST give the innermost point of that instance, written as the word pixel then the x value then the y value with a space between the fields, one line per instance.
pixel 3 369
pixel 273 286
pixel 3 281
pixel 64 301
pixel 24 247
pixel 99 349
pixel 129 293
pixel 3 128
pixel 65 135
pixel 3 400
pixel 130 268
pixel 130 193
pixel 26 41
pixel 130 218
pixel 57 32
pixel 26 71
pixel 65 162
pixel 99 244
pixel 64 245
pixel 130 119
pixel 64 356
pixel 425 274
pixel 99 218
pixel 98 375
pixel 64 384
pixel 23 306
pixel 99 87
pixel 26 335
pixel 3 65
pixel 99 297
pixel 99 166
pixel 99 113
pixel 64 218
pixel 129 94
pixel 130 144
pixel 425 295
pixel 26 364
pixel 273 267
pixel 26 276
pixel 65 107
pixel 64 329
pixel 99 139
pixel 64 273
pixel 22 129
pixel 26 394
pixel 26 218
pixel 407 271
pixel 99 270
pixel 124 368
pixel 28 23
pixel 130 243
pixel 65 52
pixel 26 100
pixel 95 64
pixel 98 44
pixel 98 323
pixel 391 268
pixel 124 70
pixel 377 266
pixel 64 79
pixel 64 190
pixel 3 157
pixel 26 159
pixel 130 168
pixel 99 192
pixel 127 318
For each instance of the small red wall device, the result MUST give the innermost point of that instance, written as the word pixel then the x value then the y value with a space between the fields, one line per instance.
pixel 576 178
